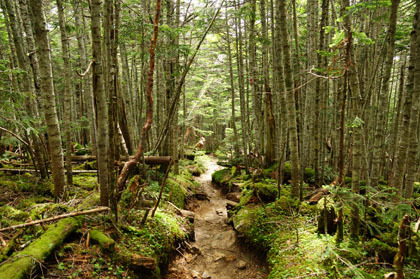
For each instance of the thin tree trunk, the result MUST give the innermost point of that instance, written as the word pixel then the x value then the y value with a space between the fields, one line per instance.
pixel 149 108
pixel 100 101
pixel 67 89
pixel 378 148
pixel 47 88
pixel 290 100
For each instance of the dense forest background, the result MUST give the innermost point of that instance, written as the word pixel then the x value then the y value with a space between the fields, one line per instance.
pixel 325 94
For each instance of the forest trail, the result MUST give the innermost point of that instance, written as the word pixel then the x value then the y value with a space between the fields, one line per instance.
pixel 218 252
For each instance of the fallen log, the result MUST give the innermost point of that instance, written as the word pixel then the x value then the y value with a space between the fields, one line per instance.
pixel 106 243
pixel 149 160
pixel 71 214
pixel 18 171
pixel 20 264
pixel 134 261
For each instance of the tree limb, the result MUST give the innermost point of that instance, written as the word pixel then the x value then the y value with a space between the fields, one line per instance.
pixel 87 70
pixel 16 136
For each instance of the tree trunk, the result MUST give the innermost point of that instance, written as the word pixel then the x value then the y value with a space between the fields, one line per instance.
pixel 379 145
pixel 290 100
pixel 47 88
pixel 67 89
pixel 100 101
pixel 270 141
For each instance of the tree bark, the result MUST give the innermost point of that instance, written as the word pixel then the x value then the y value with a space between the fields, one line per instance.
pixel 290 100
pixel 67 89
pixel 47 88
pixel 149 105
pixel 100 101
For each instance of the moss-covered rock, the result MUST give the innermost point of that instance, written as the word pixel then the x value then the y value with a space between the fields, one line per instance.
pixel 222 176
pixel 244 218
pixel 266 191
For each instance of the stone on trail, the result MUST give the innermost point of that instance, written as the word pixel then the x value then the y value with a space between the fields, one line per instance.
pixel 205 275
pixel 195 274
pixel 241 264
pixel 234 196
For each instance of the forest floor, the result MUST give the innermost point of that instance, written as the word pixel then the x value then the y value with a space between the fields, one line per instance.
pixel 216 252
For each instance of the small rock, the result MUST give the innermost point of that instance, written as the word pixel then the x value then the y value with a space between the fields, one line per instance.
pixel 205 275
pixel 390 275
pixel 201 196
pixel 195 274
pixel 235 196
pixel 230 258
pixel 241 264
pixel 218 256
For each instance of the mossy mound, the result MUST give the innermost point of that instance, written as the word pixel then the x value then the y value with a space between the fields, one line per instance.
pixel 266 191
pixel 157 238
pixel 221 176
pixel 26 183
pixel 89 165
pixel 86 182
pixel 272 171
pixel 11 216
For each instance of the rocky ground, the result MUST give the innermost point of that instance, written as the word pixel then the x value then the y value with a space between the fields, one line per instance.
pixel 216 253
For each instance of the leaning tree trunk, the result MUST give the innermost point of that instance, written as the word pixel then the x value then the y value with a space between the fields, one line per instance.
pixel 47 88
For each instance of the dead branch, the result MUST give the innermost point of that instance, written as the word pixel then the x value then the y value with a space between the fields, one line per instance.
pixel 16 136
pixel 72 214
pixel 87 70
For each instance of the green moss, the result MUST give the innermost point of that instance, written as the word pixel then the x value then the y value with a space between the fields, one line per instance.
pixel 92 165
pixel 179 193
pixel 47 210
pixel 27 183
pixel 86 182
pixel 382 249
pixel 106 243
pixel 156 238
pixel 266 191
pixel 246 195
pixel 21 263
pixel 243 220
pixel 221 176
pixel 11 216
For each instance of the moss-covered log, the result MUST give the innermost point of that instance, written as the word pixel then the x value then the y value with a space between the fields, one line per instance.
pixel 106 243
pixel 20 264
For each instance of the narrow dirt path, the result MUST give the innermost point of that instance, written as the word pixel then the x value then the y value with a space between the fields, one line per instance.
pixel 218 253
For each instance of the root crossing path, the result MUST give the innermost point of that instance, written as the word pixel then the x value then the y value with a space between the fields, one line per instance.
pixel 216 252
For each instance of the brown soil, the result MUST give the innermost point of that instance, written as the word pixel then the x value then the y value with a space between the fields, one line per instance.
pixel 216 253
